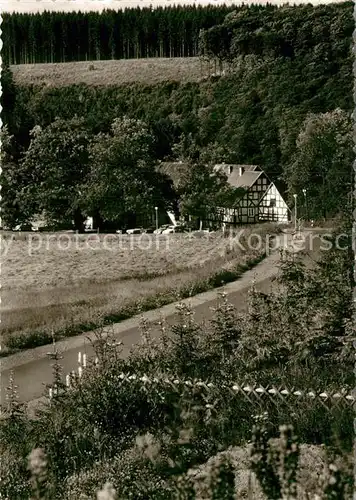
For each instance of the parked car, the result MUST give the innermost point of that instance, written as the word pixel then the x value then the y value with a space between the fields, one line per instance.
pixel 23 227
pixel 149 230
pixel 174 229
pixel 136 230
pixel 161 229
pixel 42 229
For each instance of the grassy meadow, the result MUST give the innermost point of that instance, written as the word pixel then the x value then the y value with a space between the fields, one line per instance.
pixel 68 282
pixel 114 72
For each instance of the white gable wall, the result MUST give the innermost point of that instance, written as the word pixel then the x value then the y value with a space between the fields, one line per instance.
pixel 272 207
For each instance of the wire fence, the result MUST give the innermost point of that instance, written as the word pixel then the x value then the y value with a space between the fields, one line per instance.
pixel 228 408
pixel 247 394
pixel 251 392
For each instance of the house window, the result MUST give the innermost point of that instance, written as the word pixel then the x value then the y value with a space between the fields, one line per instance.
pixel 251 212
pixel 272 202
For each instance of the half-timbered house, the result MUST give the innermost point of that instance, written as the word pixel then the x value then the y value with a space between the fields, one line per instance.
pixel 261 200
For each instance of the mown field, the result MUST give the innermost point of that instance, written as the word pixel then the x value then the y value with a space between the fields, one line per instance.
pixel 115 72
pixel 53 281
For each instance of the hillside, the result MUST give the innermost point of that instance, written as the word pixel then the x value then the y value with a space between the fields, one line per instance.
pixel 115 72
pixel 290 72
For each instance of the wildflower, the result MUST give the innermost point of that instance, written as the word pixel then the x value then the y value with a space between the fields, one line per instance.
pixel 37 462
pixel 185 436
pixel 149 446
pixel 333 469
pixel 107 493
pixel 37 465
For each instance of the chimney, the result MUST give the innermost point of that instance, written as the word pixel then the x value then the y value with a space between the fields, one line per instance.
pixel 241 170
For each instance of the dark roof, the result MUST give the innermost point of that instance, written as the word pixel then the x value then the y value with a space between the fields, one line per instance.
pixel 178 172
pixel 249 176
pixel 250 168
pixel 226 167
pixel 246 180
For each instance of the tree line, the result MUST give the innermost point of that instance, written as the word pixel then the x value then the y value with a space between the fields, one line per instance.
pixel 54 37
pixel 112 177
pixel 324 31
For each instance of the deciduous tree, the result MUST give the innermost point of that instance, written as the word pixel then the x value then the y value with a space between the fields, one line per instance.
pixel 55 167
pixel 10 182
pixel 205 192
pixel 123 181
pixel 322 163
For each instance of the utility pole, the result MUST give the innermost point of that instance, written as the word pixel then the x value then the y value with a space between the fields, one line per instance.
pixel 306 203
pixel 156 210
pixel 295 212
